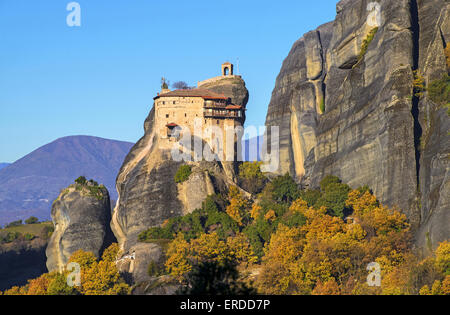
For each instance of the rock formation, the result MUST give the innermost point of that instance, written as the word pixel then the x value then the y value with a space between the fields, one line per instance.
pixel 373 129
pixel 21 261
pixel 148 194
pixel 81 216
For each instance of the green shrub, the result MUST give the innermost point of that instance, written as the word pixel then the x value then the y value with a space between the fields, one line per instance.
pixel 366 42
pixel 322 106
pixel 333 197
pixel 14 224
pixel 285 189
pixel 311 196
pixel 439 91
pixel 9 237
pixel 29 237
pixel 81 180
pixel 32 220
pixel 209 218
pixel 183 174
pixel 251 178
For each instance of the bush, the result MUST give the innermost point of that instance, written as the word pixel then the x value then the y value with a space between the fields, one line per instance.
pixel 439 91
pixel 285 189
pixel 29 237
pixel 9 237
pixel 183 174
pixel 334 196
pixel 14 224
pixel 251 178
pixel 81 180
pixel 208 219
pixel 322 106
pixel 366 43
pixel 32 220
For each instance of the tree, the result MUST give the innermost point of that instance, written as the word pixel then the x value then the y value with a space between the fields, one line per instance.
pixel 239 207
pixel 164 83
pixel 285 189
pixel 102 277
pixel 180 85
pixel 32 220
pixel 334 196
pixel 251 178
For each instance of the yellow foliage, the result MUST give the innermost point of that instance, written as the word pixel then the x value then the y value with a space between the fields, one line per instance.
pixel 328 288
pixel 443 257
pixel 256 211
pixel 361 203
pixel 446 286
pixel 328 255
pixel 270 216
pixel 177 263
pixel 182 255
pixel 238 207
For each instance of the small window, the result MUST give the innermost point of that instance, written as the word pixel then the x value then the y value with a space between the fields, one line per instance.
pixel 167 115
pixel 174 102
pixel 185 115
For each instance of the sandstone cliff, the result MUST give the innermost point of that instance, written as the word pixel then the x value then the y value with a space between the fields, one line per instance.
pixel 148 194
pixel 353 114
pixel 81 217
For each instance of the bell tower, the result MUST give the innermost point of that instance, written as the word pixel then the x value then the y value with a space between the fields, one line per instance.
pixel 227 69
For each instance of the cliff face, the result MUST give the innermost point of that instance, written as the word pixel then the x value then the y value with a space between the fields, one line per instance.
pixel 81 221
pixel 148 194
pixel 21 261
pixel 371 129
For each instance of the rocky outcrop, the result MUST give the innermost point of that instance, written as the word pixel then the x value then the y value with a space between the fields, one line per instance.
pixel 21 261
pixel 232 87
pixel 148 194
pixel 81 216
pixel 434 176
pixel 373 130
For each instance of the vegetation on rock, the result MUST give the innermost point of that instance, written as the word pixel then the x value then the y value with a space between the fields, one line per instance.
pixel 183 173
pixel 97 278
pixel 91 187
pixel 439 91
pixel 366 42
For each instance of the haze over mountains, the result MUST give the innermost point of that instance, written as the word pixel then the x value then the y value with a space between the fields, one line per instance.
pixel 29 186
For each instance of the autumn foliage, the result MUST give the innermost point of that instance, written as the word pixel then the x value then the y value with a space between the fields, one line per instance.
pixel 98 277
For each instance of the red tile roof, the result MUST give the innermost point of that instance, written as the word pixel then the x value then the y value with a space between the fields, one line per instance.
pixel 203 93
pixel 233 107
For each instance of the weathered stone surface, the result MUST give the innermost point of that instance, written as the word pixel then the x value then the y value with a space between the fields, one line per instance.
pixel 81 222
pixel 434 179
pixel 295 103
pixel 371 129
pixel 233 87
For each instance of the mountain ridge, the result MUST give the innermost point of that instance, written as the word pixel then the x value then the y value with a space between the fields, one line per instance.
pixel 29 185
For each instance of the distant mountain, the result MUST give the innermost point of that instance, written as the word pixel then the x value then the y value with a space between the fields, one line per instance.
pixel 251 149
pixel 29 186
pixel 3 165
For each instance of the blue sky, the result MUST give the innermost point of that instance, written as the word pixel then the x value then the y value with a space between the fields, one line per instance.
pixel 99 79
